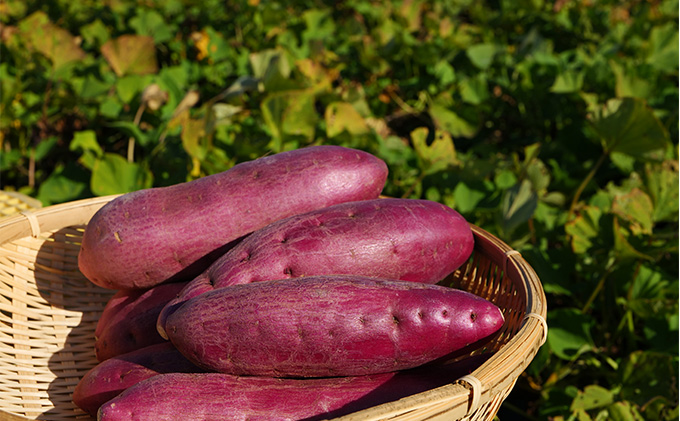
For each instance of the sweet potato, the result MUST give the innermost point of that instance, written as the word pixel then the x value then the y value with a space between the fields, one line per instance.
pixel 404 239
pixel 128 321
pixel 109 378
pixel 150 236
pixel 216 396
pixel 328 326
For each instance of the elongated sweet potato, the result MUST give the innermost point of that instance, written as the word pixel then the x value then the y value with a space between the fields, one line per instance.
pixel 146 237
pixel 128 321
pixel 403 239
pixel 328 326
pixel 109 378
pixel 216 396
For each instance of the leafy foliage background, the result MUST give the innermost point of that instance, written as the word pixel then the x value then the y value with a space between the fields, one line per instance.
pixel 554 125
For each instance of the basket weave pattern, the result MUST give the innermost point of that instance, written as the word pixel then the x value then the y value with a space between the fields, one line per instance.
pixel 49 311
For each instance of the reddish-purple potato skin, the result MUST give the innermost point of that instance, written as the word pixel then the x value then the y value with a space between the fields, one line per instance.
pixel 128 321
pixel 404 239
pixel 109 378
pixel 322 326
pixel 216 396
pixel 146 237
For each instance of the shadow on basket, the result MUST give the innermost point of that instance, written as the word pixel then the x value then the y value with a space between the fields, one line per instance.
pixel 75 305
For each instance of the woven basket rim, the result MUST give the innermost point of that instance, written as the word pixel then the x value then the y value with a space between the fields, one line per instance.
pixel 465 395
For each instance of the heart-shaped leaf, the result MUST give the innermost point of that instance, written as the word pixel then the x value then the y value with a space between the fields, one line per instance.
pixel 630 127
pixel 341 117
pixel 131 54
pixel 569 334
pixel 113 174
pixel 439 155
pixel 592 397
pixel 448 120
pixel 55 43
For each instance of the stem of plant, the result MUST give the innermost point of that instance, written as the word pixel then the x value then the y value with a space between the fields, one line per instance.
pixel 584 183
pixel 598 288
pixel 420 179
pixel 31 168
pixel 131 140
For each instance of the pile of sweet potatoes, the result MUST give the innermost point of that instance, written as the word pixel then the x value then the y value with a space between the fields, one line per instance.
pixel 283 288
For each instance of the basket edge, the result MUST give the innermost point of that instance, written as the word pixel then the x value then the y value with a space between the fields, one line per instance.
pixel 32 223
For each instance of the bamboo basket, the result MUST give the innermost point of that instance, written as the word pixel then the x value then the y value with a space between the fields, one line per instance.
pixel 49 310
pixel 13 202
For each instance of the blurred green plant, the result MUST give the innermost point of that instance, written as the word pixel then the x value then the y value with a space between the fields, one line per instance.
pixel 553 125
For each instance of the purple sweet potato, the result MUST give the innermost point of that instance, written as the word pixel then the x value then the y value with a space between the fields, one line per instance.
pixel 328 326
pixel 128 321
pixel 403 239
pixel 147 237
pixel 109 378
pixel 216 396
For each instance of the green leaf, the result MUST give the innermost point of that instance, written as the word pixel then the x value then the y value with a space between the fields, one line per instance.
pixel 625 163
pixel 92 87
pixel 624 411
pixel 444 72
pixel 212 45
pixel 86 141
pixel 592 397
pixel 110 107
pixel 150 23
pixel 10 158
pixel 636 208
pixel 290 113
pixel 650 296
pixel 539 175
pixel 223 112
pixel 474 90
pixel 629 126
pixel 300 116
pixel 193 134
pixel 662 183
pixel 57 44
pixel 127 87
pixel 629 85
pixel 568 81
pixel 438 156
pixel 44 147
pixel 130 129
pixel 320 25
pixel 131 55
pixel 584 229
pixel 569 333
pixel 95 33
pixel 505 179
pixel 113 174
pixel 274 70
pixel 242 85
pixel 645 375
pixel 342 117
pixel 622 246
pixel 518 205
pixel 481 55
pixel 261 61
pixel 66 183
pixel 448 120
pixel 663 48
pixel 466 198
